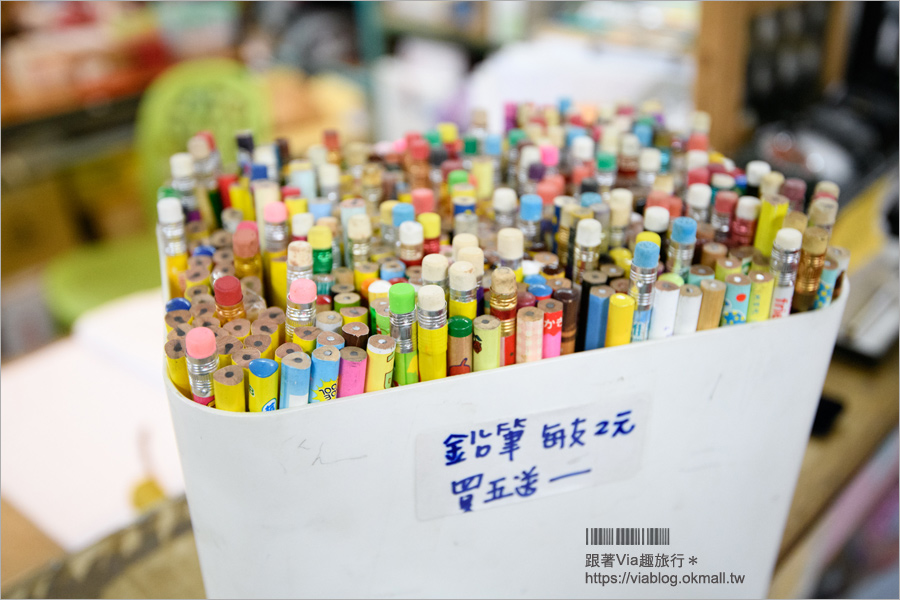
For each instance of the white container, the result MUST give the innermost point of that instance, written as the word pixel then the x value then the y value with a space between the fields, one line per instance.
pixel 326 499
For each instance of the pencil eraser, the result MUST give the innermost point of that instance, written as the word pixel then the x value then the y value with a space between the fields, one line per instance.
pixel 531 207
pixel 423 200
pixel 431 298
pixel 359 228
pixel 726 201
pixel 251 225
pixel 656 218
pixel 748 208
pixel 699 196
pixel 169 210
pixel 462 276
pixel 402 298
pixel 401 213
pixel 684 230
pixel 587 233
pixel 503 281
pixel 181 165
pixel 301 223
pixel 646 255
pixel 549 155
pixel 228 290
pixel 590 198
pixel 431 225
pixel 275 212
pixel 303 291
pixel 756 170
pixel 434 267
pixel 411 233
pixel 510 243
pixel 788 239
pixel 463 240
pixel 200 342
pixel 299 254
pixel 245 243
pixel 504 199
pixel 722 181
pixel 475 256
pixel 319 237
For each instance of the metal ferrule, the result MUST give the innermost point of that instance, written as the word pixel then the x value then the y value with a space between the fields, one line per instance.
pixel 562 245
pixel 298 315
pixel 277 237
pixel 783 265
pixel 505 303
pixel 359 252
pixel 513 263
pixel 679 258
pixel 642 280
pixel 701 215
pixel 617 236
pixel 410 253
pixel 464 295
pixel 431 319
pixel 444 284
pixel 200 374
pixel 807 270
pixel 402 330
pixel 229 313
pixel 511 162
pixel 186 188
pixel 174 241
pixel 586 258
pixel 389 234
pixel 294 273
pixel 505 219
pixel 721 222
pixel 531 231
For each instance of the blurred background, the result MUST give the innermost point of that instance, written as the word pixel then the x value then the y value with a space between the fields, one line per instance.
pixel 811 87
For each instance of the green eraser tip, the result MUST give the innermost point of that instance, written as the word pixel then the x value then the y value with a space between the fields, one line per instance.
pixel 459 326
pixel 402 298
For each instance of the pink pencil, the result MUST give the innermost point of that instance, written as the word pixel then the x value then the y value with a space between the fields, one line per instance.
pixel 352 379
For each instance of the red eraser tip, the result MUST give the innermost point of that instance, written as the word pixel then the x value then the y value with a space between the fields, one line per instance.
pixel 419 149
pixel 290 192
pixel 251 225
pixel 303 291
pixel 714 168
pixel 698 175
pixel 200 342
pixel 698 141
pixel 657 198
pixel 275 212
pixel 228 290
pixel 245 242
pixel 676 207
pixel 726 201
pixel 423 200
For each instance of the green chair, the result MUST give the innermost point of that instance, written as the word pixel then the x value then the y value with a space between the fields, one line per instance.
pixel 219 95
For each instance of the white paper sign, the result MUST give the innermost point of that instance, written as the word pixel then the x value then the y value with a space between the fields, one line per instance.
pixel 497 463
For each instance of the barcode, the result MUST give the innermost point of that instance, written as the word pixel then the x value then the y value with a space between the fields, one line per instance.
pixel 626 536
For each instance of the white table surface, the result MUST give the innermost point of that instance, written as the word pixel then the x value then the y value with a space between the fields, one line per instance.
pixel 72 418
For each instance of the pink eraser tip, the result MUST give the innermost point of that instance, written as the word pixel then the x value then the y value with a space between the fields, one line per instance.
pixel 248 225
pixel 400 146
pixel 303 291
pixel 200 342
pixel 275 212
